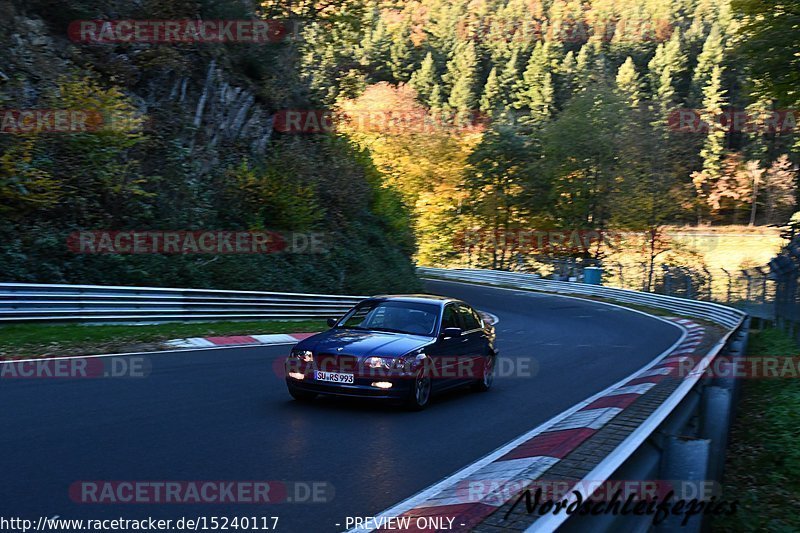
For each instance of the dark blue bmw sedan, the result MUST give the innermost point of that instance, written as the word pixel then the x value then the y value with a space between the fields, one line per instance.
pixel 401 348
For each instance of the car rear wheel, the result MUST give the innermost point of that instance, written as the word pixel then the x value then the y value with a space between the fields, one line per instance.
pixel 487 376
pixel 301 395
pixel 420 393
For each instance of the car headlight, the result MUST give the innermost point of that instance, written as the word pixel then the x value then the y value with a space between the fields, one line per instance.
pixel 302 355
pixel 389 363
pixel 409 363
pixel 378 362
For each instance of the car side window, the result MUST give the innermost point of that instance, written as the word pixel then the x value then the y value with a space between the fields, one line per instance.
pixel 450 318
pixel 468 318
pixel 359 315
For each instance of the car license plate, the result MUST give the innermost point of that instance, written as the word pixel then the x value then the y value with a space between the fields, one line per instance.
pixel 333 377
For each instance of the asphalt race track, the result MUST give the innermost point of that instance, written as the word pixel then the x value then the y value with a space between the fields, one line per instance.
pixel 225 415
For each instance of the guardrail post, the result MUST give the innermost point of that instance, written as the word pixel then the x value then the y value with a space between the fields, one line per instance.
pixel 734 381
pixel 715 416
pixel 685 459
pixel 667 287
pixel 689 285
pixel 730 284
pixel 737 352
pixel 749 289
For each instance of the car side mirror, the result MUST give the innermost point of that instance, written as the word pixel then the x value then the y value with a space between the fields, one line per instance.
pixel 450 332
pixel 332 322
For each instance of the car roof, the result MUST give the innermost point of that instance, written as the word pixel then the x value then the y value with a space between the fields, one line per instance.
pixel 416 298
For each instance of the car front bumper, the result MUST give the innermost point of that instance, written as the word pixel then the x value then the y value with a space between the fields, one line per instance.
pixel 362 387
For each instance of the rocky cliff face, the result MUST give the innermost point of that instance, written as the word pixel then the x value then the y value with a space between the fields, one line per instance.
pixel 187 143
pixel 195 87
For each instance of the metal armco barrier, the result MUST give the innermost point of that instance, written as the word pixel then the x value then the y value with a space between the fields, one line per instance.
pixel 684 439
pixel 25 302
pixel 726 317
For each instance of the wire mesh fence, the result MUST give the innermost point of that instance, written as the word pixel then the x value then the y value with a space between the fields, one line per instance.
pixel 769 293
pixel 784 274
pixel 754 290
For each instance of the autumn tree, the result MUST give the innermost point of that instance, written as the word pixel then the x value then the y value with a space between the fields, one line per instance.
pixel 494 185
pixel 780 188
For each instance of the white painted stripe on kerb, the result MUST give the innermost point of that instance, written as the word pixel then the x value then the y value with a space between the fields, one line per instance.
pixel 589 418
pixel 680 360
pixel 194 342
pixel 641 388
pixel 661 371
pixel 274 338
pixel 489 485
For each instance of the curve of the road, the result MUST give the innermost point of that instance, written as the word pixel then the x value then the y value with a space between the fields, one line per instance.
pixel 225 415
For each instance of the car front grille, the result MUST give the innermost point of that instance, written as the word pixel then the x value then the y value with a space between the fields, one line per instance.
pixel 335 362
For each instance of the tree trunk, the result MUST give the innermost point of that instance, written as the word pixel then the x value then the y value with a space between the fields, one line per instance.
pixel 755 204
pixel 652 259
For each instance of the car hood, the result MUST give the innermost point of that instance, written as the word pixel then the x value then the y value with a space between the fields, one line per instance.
pixel 363 343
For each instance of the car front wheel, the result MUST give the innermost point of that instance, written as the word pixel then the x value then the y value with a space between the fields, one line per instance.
pixel 420 393
pixel 487 376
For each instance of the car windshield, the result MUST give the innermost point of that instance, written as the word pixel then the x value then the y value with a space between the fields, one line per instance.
pixel 398 317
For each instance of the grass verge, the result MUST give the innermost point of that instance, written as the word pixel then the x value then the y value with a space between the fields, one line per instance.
pixel 32 340
pixel 762 468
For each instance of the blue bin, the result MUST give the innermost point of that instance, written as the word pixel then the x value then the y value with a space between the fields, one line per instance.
pixel 593 275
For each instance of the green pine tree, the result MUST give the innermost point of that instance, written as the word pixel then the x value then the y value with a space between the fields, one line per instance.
pixel 668 55
pixel 491 97
pixel 375 50
pixel 461 77
pixel 568 71
pixel 674 56
pixel 709 58
pixel 583 66
pixel 437 98
pixel 508 79
pixel 628 83
pixel 400 55
pixel 536 89
pixel 424 79
pixel 664 99
pixel 714 143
